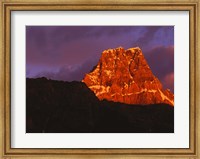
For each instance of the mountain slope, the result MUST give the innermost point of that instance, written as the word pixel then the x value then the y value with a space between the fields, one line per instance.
pixel 71 107
pixel 124 76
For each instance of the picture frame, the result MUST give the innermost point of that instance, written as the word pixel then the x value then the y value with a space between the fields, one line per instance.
pixel 6 152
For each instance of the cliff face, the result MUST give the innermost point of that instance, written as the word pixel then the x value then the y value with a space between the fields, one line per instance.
pixel 125 76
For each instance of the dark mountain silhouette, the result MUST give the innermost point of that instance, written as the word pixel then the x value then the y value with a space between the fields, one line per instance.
pixel 71 107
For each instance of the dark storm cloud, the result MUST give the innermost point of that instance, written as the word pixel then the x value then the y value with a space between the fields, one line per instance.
pixel 51 44
pixel 69 73
pixel 148 35
pixel 152 36
pixel 112 30
pixel 60 45
pixel 161 61
pixel 168 81
pixel 56 34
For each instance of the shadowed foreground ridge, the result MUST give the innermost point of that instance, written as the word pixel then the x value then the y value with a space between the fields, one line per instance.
pixel 63 107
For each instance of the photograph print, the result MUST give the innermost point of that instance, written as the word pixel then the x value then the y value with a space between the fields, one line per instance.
pixel 100 79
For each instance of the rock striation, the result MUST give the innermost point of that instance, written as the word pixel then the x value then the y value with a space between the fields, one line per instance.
pixel 125 76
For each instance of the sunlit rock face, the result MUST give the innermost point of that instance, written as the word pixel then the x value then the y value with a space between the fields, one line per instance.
pixel 124 76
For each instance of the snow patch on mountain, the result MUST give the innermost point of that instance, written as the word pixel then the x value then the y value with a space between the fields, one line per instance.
pixel 125 76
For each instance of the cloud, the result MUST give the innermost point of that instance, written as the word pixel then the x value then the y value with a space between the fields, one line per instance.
pixel 65 52
pixel 148 35
pixel 152 36
pixel 57 45
pixel 69 73
pixel 168 81
pixel 72 45
pixel 146 38
pixel 39 36
pixel 161 62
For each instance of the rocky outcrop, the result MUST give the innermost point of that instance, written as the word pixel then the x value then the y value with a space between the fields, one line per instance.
pixel 125 76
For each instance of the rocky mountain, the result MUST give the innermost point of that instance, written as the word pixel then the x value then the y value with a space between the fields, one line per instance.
pixel 124 76
pixel 71 107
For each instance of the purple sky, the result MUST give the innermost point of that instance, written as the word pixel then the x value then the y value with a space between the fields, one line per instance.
pixel 68 52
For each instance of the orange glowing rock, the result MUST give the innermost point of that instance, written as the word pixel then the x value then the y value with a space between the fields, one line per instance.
pixel 124 76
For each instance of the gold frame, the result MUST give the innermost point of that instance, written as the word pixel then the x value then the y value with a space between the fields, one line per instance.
pixel 6 152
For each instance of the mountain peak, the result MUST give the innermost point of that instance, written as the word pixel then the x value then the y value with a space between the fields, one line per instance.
pixel 125 76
